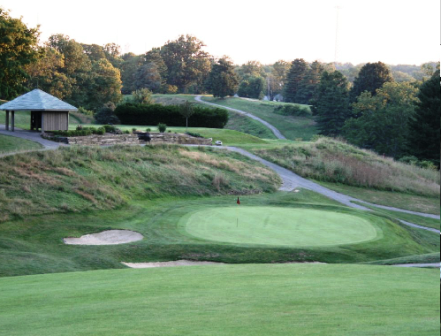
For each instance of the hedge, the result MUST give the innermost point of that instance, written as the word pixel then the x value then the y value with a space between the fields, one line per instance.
pixel 154 114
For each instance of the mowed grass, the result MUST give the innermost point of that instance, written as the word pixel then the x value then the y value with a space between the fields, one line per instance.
pixel 246 300
pixel 34 244
pixel 279 226
pixel 10 144
pixel 291 127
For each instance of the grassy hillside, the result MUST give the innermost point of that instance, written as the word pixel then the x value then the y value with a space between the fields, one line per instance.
pixel 359 173
pixel 12 144
pixel 237 122
pixel 291 127
pixel 22 119
pixel 251 300
pixel 77 179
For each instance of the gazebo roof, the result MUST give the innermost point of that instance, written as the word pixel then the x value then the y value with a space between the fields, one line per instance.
pixel 37 100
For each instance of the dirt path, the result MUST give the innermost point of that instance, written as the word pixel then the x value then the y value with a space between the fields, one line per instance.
pixel 276 132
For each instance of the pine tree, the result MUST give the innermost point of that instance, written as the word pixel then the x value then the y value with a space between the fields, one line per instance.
pixel 295 76
pixel 372 76
pixel 425 129
pixel 332 104
pixel 309 85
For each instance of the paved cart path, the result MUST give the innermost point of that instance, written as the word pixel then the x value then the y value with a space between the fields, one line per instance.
pixel 276 132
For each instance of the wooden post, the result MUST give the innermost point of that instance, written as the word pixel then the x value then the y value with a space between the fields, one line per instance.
pixel 7 120
pixel 42 122
pixel 13 121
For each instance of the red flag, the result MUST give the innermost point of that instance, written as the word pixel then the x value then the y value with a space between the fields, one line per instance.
pixel 238 200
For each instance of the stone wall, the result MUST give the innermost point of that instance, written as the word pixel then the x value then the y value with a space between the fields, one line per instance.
pixel 132 139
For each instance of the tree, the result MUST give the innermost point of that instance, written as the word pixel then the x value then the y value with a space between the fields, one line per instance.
pixel 105 85
pixel 187 111
pixel 332 104
pixel 252 87
pixel 154 56
pixel 309 85
pixel 295 76
pixel 143 97
pixel 148 77
pixel 371 77
pixel 278 77
pixel 384 119
pixel 222 80
pixel 186 62
pixel 18 48
pixel 130 65
pixel 251 69
pixel 425 129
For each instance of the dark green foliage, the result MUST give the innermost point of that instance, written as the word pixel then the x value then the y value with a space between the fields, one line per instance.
pixel 106 116
pixel 129 67
pixel 295 76
pixel 292 110
pixel 18 48
pixel 425 128
pixel 81 132
pixel 383 120
pixel 133 114
pixel 372 76
pixel 309 85
pixel 148 77
pixel 195 135
pixel 222 81
pixel 162 127
pixel 332 103
pixel 252 87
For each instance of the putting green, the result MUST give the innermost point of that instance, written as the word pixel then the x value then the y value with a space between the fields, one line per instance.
pixel 279 226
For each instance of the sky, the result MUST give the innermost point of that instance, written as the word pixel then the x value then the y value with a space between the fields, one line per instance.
pixel 391 31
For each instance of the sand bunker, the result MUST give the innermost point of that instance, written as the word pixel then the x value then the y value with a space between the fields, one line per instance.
pixel 112 237
pixel 178 263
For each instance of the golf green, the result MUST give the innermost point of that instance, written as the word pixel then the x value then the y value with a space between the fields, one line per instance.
pixel 279 226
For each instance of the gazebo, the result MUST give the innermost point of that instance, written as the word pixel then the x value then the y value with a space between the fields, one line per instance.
pixel 48 113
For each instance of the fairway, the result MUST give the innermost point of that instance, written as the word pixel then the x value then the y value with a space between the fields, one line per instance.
pixel 279 226
pixel 242 300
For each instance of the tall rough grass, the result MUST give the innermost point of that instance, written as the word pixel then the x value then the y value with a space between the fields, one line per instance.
pixel 84 178
pixel 331 160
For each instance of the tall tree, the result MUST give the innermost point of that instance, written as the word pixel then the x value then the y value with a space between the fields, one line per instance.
pixel 309 85
pixel 186 62
pixel 18 48
pixel 384 119
pixel 294 78
pixel 276 80
pixel 154 56
pixel 130 65
pixel 148 77
pixel 251 69
pixel 332 104
pixel 371 77
pixel 252 87
pixel 425 128
pixel 223 80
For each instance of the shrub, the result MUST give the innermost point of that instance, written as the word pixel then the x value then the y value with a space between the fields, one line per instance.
pixel 195 135
pixel 100 131
pixel 110 128
pixel 142 96
pixel 106 116
pixel 292 110
pixel 162 127
pixel 410 159
pixel 135 114
pixel 82 110
pixel 148 130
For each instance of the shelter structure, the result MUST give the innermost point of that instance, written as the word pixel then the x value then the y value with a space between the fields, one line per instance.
pixel 48 113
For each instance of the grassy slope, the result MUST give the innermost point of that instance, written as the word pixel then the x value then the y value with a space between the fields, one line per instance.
pixel 87 178
pixel 22 119
pixel 236 122
pixel 33 245
pixel 359 173
pixel 12 144
pixel 225 300
pixel 291 127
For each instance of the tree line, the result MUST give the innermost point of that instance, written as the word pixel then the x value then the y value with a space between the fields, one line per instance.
pixel 390 109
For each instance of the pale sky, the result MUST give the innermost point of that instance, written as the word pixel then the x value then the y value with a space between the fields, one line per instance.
pixel 391 31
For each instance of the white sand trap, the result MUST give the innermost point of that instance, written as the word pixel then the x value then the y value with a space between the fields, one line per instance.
pixel 178 263
pixel 112 237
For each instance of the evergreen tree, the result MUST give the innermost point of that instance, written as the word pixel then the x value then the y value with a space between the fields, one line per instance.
pixel 295 77
pixel 332 104
pixel 371 77
pixel 309 85
pixel 223 80
pixel 425 128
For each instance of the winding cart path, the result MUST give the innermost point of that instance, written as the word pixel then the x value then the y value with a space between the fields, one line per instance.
pixel 276 132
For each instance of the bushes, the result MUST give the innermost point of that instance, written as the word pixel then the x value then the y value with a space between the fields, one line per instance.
pixel 134 114
pixel 80 131
pixel 106 116
pixel 162 127
pixel 292 110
